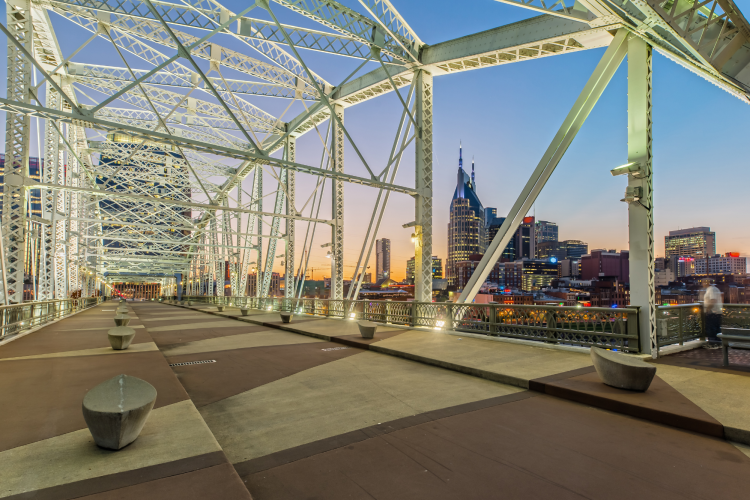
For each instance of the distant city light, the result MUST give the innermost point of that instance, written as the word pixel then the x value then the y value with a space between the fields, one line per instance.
pixel 553 260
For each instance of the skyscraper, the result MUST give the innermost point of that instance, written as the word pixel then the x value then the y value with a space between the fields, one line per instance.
pixel 466 229
pixel 526 239
pixel 383 254
pixel 546 231
pixel 698 242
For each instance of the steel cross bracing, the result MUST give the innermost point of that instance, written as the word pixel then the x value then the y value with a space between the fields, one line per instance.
pixel 155 162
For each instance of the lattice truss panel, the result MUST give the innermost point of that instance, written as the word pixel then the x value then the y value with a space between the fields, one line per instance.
pixel 154 163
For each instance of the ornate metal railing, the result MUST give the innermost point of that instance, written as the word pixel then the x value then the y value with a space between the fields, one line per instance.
pixel 17 318
pixel 614 328
pixel 683 323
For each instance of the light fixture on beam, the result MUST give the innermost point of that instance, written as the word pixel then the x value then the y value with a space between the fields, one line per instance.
pixel 632 168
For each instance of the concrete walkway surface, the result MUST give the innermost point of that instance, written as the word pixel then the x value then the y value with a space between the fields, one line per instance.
pixel 248 407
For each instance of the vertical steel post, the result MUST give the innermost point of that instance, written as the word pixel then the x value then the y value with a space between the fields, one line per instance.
pixel 423 183
pixel 337 207
pixel 640 214
pixel 291 155
pixel 17 134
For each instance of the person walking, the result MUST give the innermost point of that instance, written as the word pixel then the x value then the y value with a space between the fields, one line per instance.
pixel 712 308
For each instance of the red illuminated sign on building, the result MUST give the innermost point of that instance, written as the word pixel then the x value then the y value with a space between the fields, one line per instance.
pixel 734 254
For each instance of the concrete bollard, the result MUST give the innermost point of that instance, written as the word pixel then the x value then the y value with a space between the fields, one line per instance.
pixel 122 320
pixel 244 311
pixel 367 329
pixel 120 337
pixel 621 371
pixel 116 410
pixel 286 316
pixel 220 308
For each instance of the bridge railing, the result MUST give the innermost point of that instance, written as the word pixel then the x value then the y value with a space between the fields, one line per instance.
pixel 614 328
pixel 686 322
pixel 17 318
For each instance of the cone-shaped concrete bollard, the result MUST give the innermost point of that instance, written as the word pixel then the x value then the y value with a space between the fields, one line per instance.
pixel 220 308
pixel 120 337
pixel 621 371
pixel 122 320
pixel 367 329
pixel 286 316
pixel 244 311
pixel 116 410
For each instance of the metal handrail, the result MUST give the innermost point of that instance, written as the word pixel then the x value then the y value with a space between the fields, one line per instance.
pixel 614 328
pixel 16 318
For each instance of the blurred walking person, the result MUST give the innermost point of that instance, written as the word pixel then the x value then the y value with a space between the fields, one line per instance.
pixel 712 307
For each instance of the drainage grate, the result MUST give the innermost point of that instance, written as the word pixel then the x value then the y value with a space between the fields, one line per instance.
pixel 194 362
pixel 334 348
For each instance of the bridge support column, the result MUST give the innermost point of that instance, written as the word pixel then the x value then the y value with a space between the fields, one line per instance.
pixel 640 213
pixel 17 134
pixel 423 200
pixel 337 230
pixel 291 155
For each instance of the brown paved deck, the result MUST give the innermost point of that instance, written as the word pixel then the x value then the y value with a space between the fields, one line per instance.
pixel 327 415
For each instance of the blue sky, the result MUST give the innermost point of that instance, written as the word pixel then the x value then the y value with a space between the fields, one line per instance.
pixel 506 117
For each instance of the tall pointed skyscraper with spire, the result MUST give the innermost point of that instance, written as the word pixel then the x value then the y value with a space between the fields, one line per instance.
pixel 466 227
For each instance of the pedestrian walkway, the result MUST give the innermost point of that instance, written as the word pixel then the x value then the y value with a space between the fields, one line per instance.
pixel 247 406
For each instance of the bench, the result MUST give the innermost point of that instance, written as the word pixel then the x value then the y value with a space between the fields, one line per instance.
pixel 728 335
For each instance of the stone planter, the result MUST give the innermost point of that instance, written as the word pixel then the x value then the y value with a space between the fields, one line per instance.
pixel 120 337
pixel 116 410
pixel 367 329
pixel 122 320
pixel 286 317
pixel 244 311
pixel 190 303
pixel 621 371
pixel 220 308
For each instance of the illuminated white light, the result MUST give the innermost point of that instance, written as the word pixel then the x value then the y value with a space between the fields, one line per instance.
pixel 270 308
pixel 352 316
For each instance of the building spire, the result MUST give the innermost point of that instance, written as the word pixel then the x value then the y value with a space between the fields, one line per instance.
pixel 472 171
pixel 460 175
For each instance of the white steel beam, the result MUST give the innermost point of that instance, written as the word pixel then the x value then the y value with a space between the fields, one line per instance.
pixel 565 135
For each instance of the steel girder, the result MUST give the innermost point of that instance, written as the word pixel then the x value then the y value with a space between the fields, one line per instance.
pixel 173 130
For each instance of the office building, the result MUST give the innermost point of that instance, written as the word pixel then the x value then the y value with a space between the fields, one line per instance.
pixel 729 263
pixel 509 253
pixel 663 277
pixel 383 258
pixel 601 263
pixel 466 228
pixel 437 268
pixel 567 249
pixel 526 239
pixel 537 274
pixel 410 271
pixel 697 242
pixel 546 231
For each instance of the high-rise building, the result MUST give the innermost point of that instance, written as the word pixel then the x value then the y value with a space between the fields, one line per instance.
pixel 437 267
pixel 568 249
pixel 526 239
pixel 383 258
pixel 410 271
pixel 729 263
pixel 546 231
pixel 509 253
pixel 697 242
pixel 466 229
pixel 600 263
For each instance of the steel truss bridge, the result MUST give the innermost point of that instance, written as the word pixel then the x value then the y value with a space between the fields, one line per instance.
pixel 148 160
